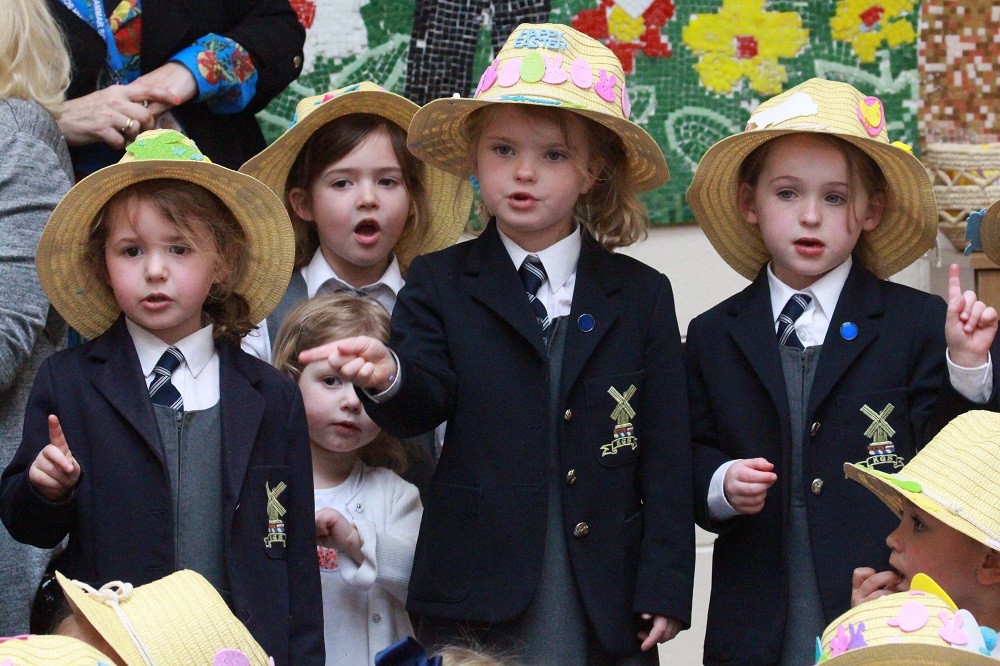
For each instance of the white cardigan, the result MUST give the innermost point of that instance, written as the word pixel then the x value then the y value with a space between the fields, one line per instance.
pixel 371 598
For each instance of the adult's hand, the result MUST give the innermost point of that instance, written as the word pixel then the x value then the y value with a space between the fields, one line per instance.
pixel 176 79
pixel 114 115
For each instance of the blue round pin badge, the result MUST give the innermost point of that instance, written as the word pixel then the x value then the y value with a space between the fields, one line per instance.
pixel 586 323
pixel 848 330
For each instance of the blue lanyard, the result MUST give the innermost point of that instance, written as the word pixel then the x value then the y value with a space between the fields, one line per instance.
pixel 96 18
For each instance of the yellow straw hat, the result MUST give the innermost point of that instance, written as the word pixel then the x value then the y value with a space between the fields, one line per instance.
pixel 552 66
pixel 87 303
pixel 909 221
pixel 179 619
pixel 449 198
pixel 49 650
pixel 904 629
pixel 955 478
pixel 989 232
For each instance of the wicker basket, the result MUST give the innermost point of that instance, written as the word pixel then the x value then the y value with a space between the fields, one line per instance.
pixel 966 178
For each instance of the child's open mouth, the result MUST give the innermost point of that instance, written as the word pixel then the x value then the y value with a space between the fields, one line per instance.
pixel 367 230
pixel 809 246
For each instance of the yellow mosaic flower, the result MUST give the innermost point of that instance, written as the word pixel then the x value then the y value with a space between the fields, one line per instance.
pixel 742 40
pixel 868 23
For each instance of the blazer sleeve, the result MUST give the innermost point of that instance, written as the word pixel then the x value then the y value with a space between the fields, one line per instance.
pixel 427 384
pixel 270 31
pixel 306 602
pixel 665 577
pixel 29 517
pixel 929 374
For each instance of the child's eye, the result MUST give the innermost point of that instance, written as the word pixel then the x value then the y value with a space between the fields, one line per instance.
pixel 179 249
pixel 131 251
pixel 786 194
pixel 503 150
pixel 388 182
pixel 331 381
pixel 836 199
pixel 340 184
pixel 918 525
pixel 555 155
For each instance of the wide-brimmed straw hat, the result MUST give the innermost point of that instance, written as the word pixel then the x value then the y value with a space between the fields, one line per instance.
pixel 48 650
pixel 179 619
pixel 909 220
pixel 449 197
pixel 551 66
pixel 955 478
pixel 86 303
pixel 914 627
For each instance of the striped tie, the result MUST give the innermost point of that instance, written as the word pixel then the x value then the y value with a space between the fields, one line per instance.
pixel 533 275
pixel 793 309
pixel 162 391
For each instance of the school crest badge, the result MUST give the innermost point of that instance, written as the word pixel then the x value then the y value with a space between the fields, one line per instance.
pixel 276 538
pixel 881 451
pixel 624 434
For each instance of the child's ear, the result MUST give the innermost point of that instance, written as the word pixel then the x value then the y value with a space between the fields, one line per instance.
pixel 745 197
pixel 989 571
pixel 298 198
pixel 873 216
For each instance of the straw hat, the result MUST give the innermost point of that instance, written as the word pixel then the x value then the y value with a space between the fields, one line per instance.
pixel 956 477
pixel 449 198
pixel 86 303
pixel 989 232
pixel 179 619
pixel 909 222
pixel 908 628
pixel 49 650
pixel 552 66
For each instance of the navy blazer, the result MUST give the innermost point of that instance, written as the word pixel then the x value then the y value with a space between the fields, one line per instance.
pixel 119 520
pixel 471 353
pixel 739 409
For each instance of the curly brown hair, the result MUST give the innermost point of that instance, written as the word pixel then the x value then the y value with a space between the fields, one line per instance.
pixel 321 319
pixel 190 208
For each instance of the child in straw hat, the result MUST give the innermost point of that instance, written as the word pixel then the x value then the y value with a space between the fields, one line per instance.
pixel 559 516
pixel 818 361
pixel 921 626
pixel 159 444
pixel 948 501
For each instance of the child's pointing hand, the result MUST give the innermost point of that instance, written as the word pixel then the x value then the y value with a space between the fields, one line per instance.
pixel 55 472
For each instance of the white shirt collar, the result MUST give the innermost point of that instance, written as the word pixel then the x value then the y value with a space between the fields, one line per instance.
pixel 318 272
pixel 559 259
pixel 825 292
pixel 198 348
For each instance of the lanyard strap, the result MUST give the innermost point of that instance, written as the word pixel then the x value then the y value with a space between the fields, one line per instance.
pixel 92 13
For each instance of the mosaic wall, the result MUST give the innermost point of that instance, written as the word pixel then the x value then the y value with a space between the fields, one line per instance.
pixel 959 71
pixel 696 69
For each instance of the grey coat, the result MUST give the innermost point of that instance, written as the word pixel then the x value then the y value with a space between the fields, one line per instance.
pixel 35 172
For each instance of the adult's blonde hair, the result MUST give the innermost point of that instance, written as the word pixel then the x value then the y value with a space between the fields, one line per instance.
pixel 34 62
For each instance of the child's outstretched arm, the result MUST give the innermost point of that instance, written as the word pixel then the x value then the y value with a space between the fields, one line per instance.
pixel 363 361
pixel 970 325
pixel 54 473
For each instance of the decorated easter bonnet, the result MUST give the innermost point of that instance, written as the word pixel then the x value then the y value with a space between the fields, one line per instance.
pixel 547 65
pixel 914 627
pixel 47 650
pixel 86 303
pixel 449 197
pixel 955 478
pixel 909 220
pixel 179 619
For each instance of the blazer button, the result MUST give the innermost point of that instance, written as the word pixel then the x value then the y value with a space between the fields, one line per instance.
pixel 817 486
pixel 297 62
pixel 581 530
pixel 814 429
pixel 376 618
pixel 571 477
pixel 568 414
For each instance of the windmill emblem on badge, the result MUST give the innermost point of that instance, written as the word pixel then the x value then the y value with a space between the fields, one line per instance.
pixel 881 451
pixel 275 526
pixel 624 435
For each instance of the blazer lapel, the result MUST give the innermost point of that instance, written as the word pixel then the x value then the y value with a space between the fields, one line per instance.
pixel 861 304
pixel 752 328
pixel 596 283
pixel 495 284
pixel 120 380
pixel 242 408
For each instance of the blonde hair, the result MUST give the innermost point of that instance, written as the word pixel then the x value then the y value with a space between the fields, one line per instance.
pixel 34 62
pixel 471 656
pixel 321 319
pixel 611 211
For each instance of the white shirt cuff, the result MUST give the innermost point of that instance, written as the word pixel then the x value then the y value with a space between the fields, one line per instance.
pixel 719 508
pixel 974 384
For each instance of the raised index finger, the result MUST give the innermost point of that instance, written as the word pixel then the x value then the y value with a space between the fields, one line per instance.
pixel 56 436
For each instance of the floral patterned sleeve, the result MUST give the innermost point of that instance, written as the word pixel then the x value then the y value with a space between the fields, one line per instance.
pixel 226 76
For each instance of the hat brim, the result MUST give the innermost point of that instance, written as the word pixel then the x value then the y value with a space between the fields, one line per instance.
pixel 910 654
pixel 89 306
pixel 892 496
pixel 989 232
pixel 907 230
pixel 449 198
pixel 43 650
pixel 438 136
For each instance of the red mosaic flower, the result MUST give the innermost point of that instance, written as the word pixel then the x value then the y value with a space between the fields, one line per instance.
pixel 209 67
pixel 306 11
pixel 631 35
pixel 872 15
pixel 242 65
pixel 746 46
